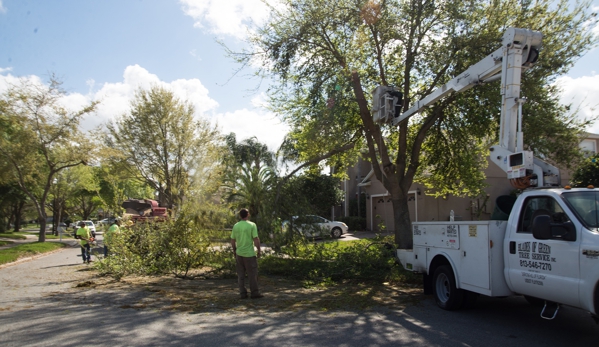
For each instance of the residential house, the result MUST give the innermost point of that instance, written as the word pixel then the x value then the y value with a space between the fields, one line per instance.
pixel 379 209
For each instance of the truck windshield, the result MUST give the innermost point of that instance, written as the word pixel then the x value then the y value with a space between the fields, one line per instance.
pixel 586 207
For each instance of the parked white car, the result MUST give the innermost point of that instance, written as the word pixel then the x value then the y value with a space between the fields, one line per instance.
pixel 316 226
pixel 107 221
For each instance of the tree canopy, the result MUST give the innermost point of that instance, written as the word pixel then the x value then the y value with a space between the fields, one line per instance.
pixel 326 57
pixel 587 173
pixel 162 140
pixel 39 138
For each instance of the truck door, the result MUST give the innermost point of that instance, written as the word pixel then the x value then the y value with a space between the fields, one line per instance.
pixel 546 269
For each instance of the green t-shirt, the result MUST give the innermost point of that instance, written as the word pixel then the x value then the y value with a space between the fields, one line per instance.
pixel 84 234
pixel 244 233
pixel 113 229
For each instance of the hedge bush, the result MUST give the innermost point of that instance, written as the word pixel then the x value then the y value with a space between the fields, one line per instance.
pixel 354 223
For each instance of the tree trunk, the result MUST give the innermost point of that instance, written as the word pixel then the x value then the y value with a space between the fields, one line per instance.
pixel 42 235
pixel 57 219
pixel 401 216
pixel 18 213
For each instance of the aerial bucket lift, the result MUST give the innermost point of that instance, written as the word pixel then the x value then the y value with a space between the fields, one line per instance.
pixel 518 53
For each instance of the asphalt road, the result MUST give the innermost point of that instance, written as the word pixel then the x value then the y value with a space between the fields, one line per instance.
pixel 40 306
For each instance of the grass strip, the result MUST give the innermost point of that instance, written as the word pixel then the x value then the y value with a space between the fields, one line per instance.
pixel 4 243
pixel 26 250
pixel 13 236
pixel 64 236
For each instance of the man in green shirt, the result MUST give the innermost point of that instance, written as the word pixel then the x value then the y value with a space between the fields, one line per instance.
pixel 114 228
pixel 85 237
pixel 243 239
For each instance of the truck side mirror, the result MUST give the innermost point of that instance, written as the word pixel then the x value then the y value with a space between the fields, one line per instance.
pixel 541 227
pixel 544 229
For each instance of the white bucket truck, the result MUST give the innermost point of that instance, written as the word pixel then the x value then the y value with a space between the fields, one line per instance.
pixel 548 251
pixel 547 248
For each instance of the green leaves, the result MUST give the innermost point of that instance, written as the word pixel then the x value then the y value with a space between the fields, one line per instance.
pixel 587 173
pixel 328 56
pixel 163 144
pixel 41 138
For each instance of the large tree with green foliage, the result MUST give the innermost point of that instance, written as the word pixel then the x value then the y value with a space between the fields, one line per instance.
pixel 328 55
pixel 249 151
pixel 250 179
pixel 587 173
pixel 12 204
pixel 162 141
pixel 117 184
pixel 39 138
pixel 250 187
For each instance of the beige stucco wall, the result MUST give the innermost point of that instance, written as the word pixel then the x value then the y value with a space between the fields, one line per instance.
pixel 427 208
pixel 379 211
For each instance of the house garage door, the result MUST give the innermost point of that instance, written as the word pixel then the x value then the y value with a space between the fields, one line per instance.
pixel 383 214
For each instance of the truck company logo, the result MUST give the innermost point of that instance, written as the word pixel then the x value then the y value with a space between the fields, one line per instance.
pixel 533 278
pixel 417 231
pixel 535 255
pixel 452 231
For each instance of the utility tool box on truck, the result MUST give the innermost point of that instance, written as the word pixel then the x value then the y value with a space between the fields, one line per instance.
pixel 475 249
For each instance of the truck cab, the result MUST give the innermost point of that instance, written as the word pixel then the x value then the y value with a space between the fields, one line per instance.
pixel 552 246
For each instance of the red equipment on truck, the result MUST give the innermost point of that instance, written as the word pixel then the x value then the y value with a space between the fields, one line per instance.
pixel 144 210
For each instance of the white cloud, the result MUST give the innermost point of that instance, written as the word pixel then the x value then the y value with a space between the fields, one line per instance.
pixel 582 93
pixel 231 17
pixel 245 124
pixel 116 98
pixel 9 80
pixel 2 10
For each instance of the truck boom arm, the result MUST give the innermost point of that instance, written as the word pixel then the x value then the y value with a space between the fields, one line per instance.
pixel 519 52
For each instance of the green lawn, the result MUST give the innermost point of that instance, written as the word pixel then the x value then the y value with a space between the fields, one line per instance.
pixel 4 243
pixel 9 235
pixel 26 250
pixel 67 235
pixel 21 235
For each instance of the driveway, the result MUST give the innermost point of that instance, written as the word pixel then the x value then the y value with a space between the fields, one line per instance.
pixel 358 235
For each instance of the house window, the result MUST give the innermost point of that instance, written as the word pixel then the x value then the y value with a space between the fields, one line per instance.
pixel 589 147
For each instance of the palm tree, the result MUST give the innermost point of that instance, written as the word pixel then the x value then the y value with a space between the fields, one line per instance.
pixel 250 187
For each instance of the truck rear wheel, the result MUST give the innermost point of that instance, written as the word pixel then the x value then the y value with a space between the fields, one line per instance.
pixel 447 295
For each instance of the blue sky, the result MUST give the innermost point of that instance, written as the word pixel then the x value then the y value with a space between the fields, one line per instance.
pixel 106 49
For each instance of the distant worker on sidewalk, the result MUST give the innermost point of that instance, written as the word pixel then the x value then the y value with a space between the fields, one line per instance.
pixel 243 239
pixel 85 239
pixel 114 229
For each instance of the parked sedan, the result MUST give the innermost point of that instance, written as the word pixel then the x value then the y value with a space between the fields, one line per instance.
pixel 107 221
pixel 316 226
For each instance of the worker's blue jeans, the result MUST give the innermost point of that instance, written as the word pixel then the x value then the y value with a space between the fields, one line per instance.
pixel 85 253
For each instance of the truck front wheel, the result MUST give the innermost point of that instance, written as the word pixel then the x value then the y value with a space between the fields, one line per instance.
pixel 447 295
